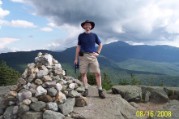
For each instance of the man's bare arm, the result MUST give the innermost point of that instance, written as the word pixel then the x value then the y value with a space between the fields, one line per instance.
pixel 99 48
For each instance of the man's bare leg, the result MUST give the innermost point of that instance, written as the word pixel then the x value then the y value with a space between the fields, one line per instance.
pixel 85 84
pixel 98 80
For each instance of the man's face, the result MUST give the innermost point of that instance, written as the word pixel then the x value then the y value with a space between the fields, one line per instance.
pixel 87 26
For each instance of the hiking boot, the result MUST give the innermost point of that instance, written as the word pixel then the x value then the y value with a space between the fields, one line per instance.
pixel 85 93
pixel 101 94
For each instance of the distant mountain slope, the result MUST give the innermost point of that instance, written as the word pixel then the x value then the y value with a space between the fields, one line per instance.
pixel 120 51
pixel 118 59
pixel 150 66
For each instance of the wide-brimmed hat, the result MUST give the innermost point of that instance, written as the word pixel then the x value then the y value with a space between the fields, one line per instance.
pixel 88 21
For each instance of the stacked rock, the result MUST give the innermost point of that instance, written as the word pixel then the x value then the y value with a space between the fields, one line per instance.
pixel 43 92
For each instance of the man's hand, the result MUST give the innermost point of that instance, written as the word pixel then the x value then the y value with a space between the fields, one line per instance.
pixel 76 61
pixel 95 54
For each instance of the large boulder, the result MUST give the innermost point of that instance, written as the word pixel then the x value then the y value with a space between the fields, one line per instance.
pixel 48 114
pixel 32 115
pixel 67 107
pixel 112 107
pixel 81 101
pixel 8 114
pixel 173 107
pixel 38 106
pixel 172 92
pixel 128 92
pixel 52 106
pixel 155 94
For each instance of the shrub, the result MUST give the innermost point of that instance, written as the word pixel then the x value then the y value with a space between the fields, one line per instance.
pixel 8 76
pixel 106 82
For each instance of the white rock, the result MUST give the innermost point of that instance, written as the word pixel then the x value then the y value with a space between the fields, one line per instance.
pixel 24 95
pixel 44 68
pixel 50 84
pixel 35 70
pixel 27 101
pixel 72 85
pixel 40 91
pixel 64 72
pixel 52 106
pixel 33 86
pixel 47 78
pixel 31 77
pixel 31 65
pixel 36 59
pixel 55 61
pixel 58 66
pixel 59 87
pixel 49 58
pixel 42 73
pixel 60 97
pixel 38 81
pixel 27 86
pixel 39 54
pixel 13 93
pixel 24 75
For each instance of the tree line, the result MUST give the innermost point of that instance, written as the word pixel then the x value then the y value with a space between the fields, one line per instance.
pixel 8 75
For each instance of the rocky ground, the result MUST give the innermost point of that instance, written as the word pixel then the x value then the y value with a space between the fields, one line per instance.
pixel 115 107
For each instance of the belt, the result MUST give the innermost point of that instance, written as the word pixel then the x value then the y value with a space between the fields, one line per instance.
pixel 87 52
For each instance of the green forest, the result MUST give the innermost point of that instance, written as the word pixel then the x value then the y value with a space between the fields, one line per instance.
pixel 8 75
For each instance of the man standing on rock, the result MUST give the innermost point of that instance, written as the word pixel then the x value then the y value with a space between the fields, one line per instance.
pixel 87 53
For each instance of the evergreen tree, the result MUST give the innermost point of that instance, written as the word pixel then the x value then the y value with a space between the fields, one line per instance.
pixel 8 76
pixel 106 82
pixel 134 80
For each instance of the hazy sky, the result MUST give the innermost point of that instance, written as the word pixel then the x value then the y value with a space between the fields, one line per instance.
pixel 55 24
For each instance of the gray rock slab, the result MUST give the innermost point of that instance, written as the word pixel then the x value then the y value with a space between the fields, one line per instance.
pixel 32 115
pixel 128 92
pixel 48 114
pixel 67 107
pixel 157 94
pixel 38 106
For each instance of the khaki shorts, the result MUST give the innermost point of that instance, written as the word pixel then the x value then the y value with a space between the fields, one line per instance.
pixel 89 61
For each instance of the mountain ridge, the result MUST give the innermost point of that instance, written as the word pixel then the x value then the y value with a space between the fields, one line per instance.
pixel 115 59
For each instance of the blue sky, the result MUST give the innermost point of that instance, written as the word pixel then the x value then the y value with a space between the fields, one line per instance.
pixel 23 30
pixel 55 24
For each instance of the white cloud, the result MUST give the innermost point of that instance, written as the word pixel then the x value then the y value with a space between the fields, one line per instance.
pixel 110 40
pixel 174 42
pixel 69 41
pixel 3 22
pixel 19 1
pixel 22 23
pixel 5 41
pixel 47 29
pixel 6 49
pixel 134 43
pixel 173 27
pixel 18 23
pixel 71 30
pixel 3 13
pixel 53 25
pixel 138 21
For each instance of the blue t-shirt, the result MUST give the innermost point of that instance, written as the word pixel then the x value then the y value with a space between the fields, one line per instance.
pixel 87 42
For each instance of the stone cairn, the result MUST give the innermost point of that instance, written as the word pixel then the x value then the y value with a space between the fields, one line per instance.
pixel 43 92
